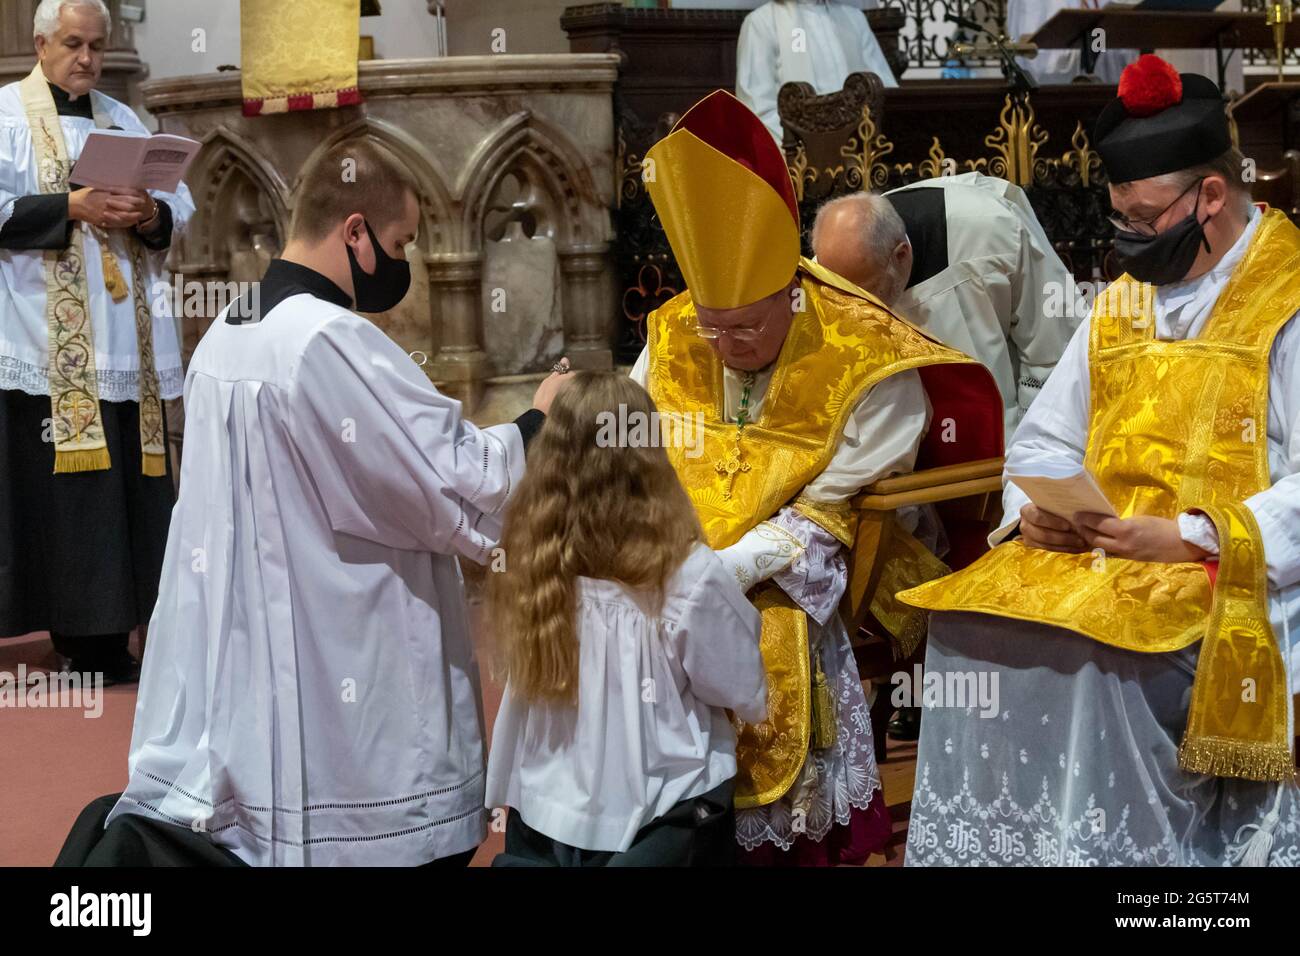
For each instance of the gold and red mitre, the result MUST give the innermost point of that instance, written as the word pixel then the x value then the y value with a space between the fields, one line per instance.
pixel 720 186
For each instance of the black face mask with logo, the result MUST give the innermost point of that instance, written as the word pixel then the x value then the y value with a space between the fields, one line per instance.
pixel 384 288
pixel 1165 257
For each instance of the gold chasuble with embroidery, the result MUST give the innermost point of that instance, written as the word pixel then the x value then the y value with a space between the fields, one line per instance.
pixel 837 349
pixel 722 191
pixel 1175 426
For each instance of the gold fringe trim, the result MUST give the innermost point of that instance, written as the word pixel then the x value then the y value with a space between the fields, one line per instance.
pixel 1248 760
pixel 154 466
pixel 82 459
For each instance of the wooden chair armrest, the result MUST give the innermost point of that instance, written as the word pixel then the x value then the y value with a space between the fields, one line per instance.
pixel 931 485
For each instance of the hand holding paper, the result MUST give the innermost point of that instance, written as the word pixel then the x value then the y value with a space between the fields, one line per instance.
pixel 1064 492
pixel 1059 495
pixel 115 159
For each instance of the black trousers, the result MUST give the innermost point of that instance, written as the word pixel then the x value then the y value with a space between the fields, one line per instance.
pixel 134 840
pixel 700 831
pixel 81 553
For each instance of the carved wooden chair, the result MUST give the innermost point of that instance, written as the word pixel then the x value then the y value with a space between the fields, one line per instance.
pixel 826 129
pixel 964 483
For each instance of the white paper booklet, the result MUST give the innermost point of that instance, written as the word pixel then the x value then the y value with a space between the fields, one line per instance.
pixel 116 159
pixel 1064 490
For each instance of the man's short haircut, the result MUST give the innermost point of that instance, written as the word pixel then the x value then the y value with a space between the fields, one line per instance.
pixel 356 175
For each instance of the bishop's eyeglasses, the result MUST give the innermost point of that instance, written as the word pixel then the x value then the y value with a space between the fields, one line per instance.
pixel 745 334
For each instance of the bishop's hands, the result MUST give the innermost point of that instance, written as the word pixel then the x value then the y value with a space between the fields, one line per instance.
pixel 113 208
pixel 1140 538
pixel 551 386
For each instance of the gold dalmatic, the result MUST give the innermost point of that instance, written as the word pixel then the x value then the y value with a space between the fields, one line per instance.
pixel 838 347
pixel 78 427
pixel 1174 426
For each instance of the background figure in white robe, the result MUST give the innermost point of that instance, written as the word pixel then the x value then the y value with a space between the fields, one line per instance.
pixel 88 582
pixel 1060 66
pixel 965 259
pixel 310 694
pixel 803 41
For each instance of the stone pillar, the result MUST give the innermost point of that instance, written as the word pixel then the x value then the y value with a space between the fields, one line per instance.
pixel 461 364
pixel 588 305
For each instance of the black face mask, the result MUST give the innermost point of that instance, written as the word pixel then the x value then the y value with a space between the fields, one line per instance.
pixel 1165 257
pixel 382 289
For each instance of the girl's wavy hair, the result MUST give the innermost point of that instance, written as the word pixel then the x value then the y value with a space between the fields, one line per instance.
pixel 586 507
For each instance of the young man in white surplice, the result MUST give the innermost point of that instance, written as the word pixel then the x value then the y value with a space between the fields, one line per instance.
pixel 310 695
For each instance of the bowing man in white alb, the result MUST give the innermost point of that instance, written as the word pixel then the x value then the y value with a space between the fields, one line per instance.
pixel 965 259
pixel 803 41
pixel 310 694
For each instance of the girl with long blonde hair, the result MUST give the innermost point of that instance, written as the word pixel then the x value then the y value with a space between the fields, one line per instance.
pixel 622 640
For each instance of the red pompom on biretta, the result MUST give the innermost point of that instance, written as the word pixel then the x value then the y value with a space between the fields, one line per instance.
pixel 1149 85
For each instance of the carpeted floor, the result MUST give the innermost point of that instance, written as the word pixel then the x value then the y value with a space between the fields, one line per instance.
pixel 57 760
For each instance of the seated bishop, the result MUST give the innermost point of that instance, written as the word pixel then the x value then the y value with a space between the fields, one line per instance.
pixel 808 389
pixel 1134 671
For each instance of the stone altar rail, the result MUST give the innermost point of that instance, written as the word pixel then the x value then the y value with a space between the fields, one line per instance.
pixel 514 159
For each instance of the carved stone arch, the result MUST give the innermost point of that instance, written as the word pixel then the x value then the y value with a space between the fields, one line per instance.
pixel 238 195
pixel 527 147
pixel 436 217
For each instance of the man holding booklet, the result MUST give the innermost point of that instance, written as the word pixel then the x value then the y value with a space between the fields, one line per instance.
pixel 85 363
pixel 1135 612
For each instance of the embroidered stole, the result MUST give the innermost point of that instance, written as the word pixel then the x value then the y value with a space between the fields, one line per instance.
pixel 78 427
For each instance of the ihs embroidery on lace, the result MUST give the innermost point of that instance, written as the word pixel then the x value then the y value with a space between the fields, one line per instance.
pixel 961 830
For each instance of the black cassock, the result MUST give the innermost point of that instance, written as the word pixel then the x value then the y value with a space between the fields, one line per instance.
pixel 80 553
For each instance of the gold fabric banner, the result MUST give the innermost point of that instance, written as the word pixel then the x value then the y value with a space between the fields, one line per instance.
pixel 299 54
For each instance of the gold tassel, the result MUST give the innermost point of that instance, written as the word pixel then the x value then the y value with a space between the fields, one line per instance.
pixel 81 459
pixel 1220 757
pixel 824 724
pixel 114 281
pixel 154 466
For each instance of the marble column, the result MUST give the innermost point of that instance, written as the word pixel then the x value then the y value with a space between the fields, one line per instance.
pixel 588 305
pixel 461 364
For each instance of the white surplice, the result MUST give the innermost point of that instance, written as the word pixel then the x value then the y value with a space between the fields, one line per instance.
pixel 993 301
pixel 24 333
pixel 803 41
pixel 649 727
pixel 310 694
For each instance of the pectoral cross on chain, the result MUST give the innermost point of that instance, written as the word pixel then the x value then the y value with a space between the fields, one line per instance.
pixel 730 467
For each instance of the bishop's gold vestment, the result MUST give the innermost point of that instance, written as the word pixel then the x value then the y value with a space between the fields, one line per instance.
pixel 841 345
